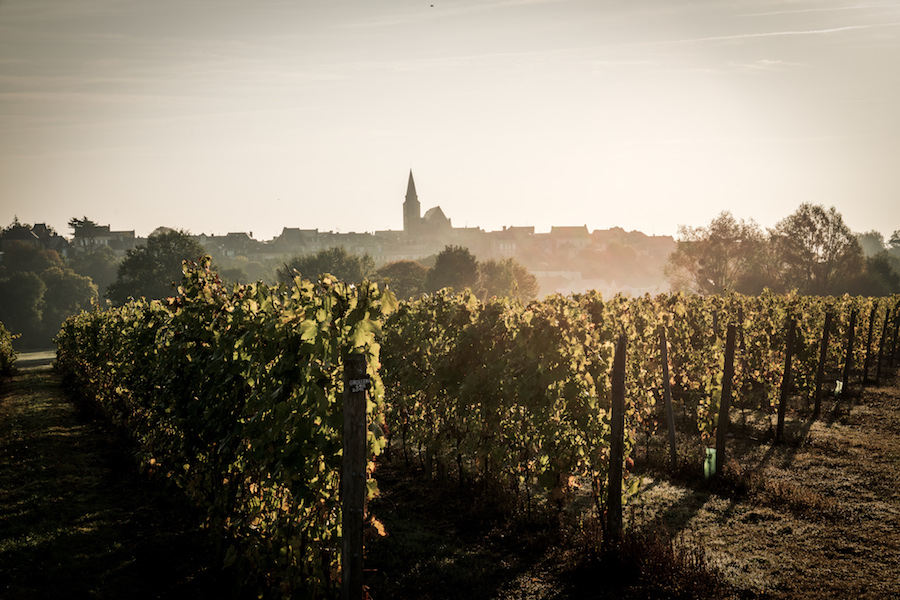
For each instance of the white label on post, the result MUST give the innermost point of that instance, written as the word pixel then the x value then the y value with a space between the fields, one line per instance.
pixel 359 385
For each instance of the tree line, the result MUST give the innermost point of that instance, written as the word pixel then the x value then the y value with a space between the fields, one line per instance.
pixel 454 267
pixel 811 250
pixel 42 287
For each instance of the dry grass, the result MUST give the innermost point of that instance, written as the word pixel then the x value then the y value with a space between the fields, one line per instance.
pixel 815 517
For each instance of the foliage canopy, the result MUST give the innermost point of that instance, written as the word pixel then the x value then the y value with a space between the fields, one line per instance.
pixel 151 270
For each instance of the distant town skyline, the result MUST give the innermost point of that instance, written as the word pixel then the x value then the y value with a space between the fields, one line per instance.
pixel 233 117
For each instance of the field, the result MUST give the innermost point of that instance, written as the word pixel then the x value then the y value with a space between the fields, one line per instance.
pixel 815 517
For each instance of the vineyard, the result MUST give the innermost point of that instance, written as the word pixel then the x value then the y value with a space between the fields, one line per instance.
pixel 7 353
pixel 234 396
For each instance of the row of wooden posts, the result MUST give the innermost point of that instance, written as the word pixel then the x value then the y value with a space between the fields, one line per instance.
pixel 353 477
pixel 614 506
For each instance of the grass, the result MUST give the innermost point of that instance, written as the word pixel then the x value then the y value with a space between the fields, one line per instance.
pixel 77 520
pixel 451 542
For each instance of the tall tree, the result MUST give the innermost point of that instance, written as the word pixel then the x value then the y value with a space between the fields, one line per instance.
pixel 880 278
pixel 894 243
pixel 151 270
pixel 84 231
pixel 99 264
pixel 20 257
pixel 505 279
pixel 66 294
pixel 405 278
pixel 871 242
pixel 22 305
pixel 713 259
pixel 817 252
pixel 337 261
pixel 455 267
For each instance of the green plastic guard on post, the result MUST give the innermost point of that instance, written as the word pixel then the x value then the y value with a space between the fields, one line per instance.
pixel 709 464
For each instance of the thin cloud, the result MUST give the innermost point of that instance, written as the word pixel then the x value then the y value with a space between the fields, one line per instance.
pixel 766 64
pixel 770 34
pixel 707 140
pixel 819 10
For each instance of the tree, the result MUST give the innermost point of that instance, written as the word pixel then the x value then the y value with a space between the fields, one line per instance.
pixel 816 251
pixel 21 257
pixel 84 231
pixel 405 278
pixel 337 261
pixel 894 242
pixel 505 279
pixel 67 293
pixel 39 292
pixel 99 264
pixel 455 267
pixel 871 242
pixel 713 259
pixel 762 271
pixel 151 270
pixel 232 276
pixel 22 305
pixel 880 278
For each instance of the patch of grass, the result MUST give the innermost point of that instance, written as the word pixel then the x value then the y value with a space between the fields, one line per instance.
pixel 800 500
pixel 649 563
pixel 81 522
pixel 474 542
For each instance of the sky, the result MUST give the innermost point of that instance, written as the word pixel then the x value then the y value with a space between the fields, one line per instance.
pixel 219 116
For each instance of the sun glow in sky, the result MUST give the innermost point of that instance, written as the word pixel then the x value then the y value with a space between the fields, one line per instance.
pixel 226 115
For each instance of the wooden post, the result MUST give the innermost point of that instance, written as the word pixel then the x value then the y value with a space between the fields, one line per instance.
pixel 884 329
pixel 616 448
pixel 896 332
pixel 353 476
pixel 742 341
pixel 667 394
pixel 867 363
pixel 823 356
pixel 848 356
pixel 785 380
pixel 725 403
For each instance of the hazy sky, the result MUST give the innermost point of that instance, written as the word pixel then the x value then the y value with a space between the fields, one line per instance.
pixel 220 115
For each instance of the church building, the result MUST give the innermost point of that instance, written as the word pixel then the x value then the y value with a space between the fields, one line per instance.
pixel 434 223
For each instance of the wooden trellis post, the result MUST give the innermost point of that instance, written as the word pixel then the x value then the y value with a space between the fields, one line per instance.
pixel 353 476
pixel 823 356
pixel 725 402
pixel 785 380
pixel 616 448
pixel 848 357
pixel 896 331
pixel 867 362
pixel 667 394
pixel 884 330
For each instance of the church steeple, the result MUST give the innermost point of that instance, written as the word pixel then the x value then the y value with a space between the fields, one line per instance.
pixel 411 189
pixel 412 210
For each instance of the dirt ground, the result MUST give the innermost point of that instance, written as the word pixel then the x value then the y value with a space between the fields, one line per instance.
pixel 820 517
pixel 76 521
pixel 815 517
